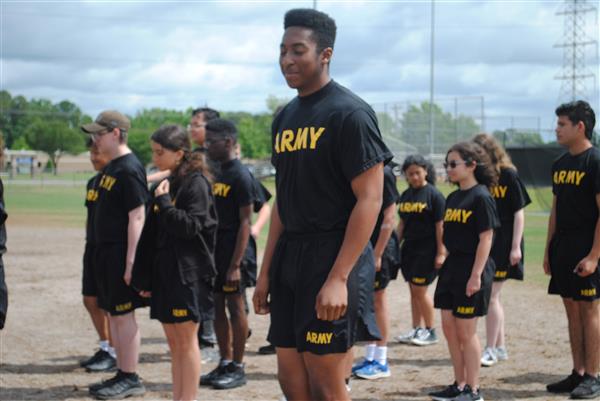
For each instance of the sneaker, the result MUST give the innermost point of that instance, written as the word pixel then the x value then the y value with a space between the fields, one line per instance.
pixel 566 385
pixel 127 386
pixel 407 337
pixel 425 337
pixel 588 388
pixel 210 377
pixel 233 377
pixel 209 354
pixel 360 365
pixel 105 364
pixel 447 394
pixel 97 386
pixel 100 354
pixel 373 371
pixel 469 395
pixel 501 353
pixel 489 357
pixel 268 349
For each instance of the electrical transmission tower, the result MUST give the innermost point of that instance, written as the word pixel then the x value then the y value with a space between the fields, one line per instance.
pixel 577 41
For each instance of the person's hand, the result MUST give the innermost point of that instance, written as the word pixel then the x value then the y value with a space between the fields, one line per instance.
pixel 332 300
pixel 586 266
pixel 377 263
pixel 440 258
pixel 162 188
pixel 254 232
pixel 127 276
pixel 515 256
pixel 260 299
pixel 546 264
pixel 233 276
pixel 473 285
pixel 146 294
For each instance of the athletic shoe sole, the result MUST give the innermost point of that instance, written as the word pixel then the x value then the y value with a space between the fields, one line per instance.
pixel 488 364
pixel 378 375
pixel 124 394
pixel 420 343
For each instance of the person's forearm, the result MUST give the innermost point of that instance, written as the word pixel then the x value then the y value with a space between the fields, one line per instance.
pixel 360 226
pixel 261 218
pixel 483 252
pixel 518 226
pixel 241 242
pixel 385 231
pixel 134 231
pixel 551 225
pixel 275 231
pixel 595 251
pixel 400 230
pixel 439 238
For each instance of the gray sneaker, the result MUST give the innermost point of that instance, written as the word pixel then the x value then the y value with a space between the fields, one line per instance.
pixel 501 353
pixel 125 387
pixel 425 337
pixel 469 395
pixel 587 389
pixel 407 337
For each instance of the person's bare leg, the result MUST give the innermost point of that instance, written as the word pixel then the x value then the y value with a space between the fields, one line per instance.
pixel 326 374
pixel 189 359
pixel 239 325
pixel 590 322
pixel 466 330
pixel 98 316
pixel 382 317
pixel 292 375
pixel 128 343
pixel 494 321
pixel 454 347
pixel 417 318
pixel 575 335
pixel 425 304
pixel 222 328
pixel 173 342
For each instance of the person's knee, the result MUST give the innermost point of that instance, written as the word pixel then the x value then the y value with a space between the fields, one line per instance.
pixel 90 303
pixel 323 390
pixel 464 334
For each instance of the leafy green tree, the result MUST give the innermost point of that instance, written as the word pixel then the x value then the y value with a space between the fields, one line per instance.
pixel 55 138
pixel 274 102
pixel 513 137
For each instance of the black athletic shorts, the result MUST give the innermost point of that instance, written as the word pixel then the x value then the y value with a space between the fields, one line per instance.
pixel 418 261
pixel 114 295
pixel 566 250
pixel 300 266
pixel 450 292
pixel 501 254
pixel 223 253
pixel 88 278
pixel 175 302
pixel 249 264
pixel 383 277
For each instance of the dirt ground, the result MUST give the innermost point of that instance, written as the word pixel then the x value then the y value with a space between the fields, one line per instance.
pixel 48 332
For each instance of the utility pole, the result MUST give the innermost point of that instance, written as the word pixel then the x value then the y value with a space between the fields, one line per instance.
pixel 574 72
pixel 431 81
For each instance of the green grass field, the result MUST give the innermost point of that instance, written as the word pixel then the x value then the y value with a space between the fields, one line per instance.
pixel 63 206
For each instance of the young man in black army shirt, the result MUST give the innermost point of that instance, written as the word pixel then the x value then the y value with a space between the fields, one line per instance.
pixel 105 358
pixel 234 197
pixel 573 245
pixel 329 156
pixel 118 221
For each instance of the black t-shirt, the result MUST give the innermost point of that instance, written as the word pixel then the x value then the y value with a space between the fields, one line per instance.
pixel 468 214
pixel 233 189
pixel 575 183
pixel 91 196
pixel 321 142
pixel 121 189
pixel 390 196
pixel 510 195
pixel 420 209
pixel 261 194
pixel 3 217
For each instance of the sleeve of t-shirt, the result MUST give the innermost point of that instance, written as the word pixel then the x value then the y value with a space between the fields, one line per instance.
pixel 390 192
pixel 89 186
pixel 596 174
pixel 438 205
pixel 134 190
pixel 486 215
pixel 361 145
pixel 244 190
pixel 518 196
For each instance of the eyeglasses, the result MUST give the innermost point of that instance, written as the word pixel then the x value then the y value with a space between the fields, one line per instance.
pixel 97 135
pixel 208 142
pixel 195 126
pixel 452 164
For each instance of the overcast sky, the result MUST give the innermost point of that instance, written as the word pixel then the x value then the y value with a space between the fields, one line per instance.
pixel 143 54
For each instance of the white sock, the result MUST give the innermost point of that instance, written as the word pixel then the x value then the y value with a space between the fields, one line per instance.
pixel 224 362
pixel 381 355
pixel 111 351
pixel 104 345
pixel 370 352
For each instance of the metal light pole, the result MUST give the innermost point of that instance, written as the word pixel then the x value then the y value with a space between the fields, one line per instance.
pixel 431 81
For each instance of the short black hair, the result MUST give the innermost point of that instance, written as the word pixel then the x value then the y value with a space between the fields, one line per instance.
pixel 579 111
pixel 418 160
pixel 223 128
pixel 209 114
pixel 322 25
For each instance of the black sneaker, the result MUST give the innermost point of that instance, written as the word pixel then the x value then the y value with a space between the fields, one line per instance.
pixel 233 377
pixel 469 395
pixel 100 354
pixel 97 386
pixel 126 386
pixel 106 363
pixel 588 388
pixel 449 393
pixel 566 385
pixel 210 377
pixel 268 349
